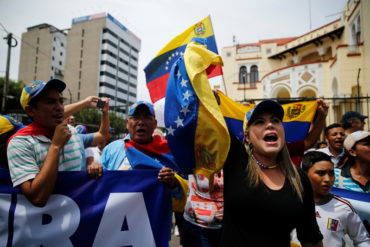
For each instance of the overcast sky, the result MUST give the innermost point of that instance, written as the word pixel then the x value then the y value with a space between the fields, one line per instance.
pixel 156 22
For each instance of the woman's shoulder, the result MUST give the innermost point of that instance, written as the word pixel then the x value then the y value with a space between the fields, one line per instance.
pixel 302 175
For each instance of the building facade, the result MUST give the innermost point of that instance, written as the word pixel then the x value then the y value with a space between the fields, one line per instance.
pixel 332 62
pixel 102 59
pixel 43 52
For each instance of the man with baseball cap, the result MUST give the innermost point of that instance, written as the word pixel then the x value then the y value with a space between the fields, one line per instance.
pixel 37 152
pixel 353 121
pixel 355 175
pixel 8 126
pixel 141 150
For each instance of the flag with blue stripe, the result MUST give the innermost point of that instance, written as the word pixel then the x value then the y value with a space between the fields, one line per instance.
pixel 297 119
pixel 122 208
pixel 196 130
pixel 359 200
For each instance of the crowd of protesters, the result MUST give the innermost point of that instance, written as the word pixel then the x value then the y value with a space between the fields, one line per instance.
pixel 261 197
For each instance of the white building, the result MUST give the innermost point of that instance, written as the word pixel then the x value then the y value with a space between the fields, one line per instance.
pixel 102 59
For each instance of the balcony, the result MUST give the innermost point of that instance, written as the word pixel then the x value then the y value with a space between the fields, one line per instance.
pixel 301 80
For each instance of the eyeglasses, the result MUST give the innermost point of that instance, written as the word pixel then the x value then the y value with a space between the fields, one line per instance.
pixel 146 118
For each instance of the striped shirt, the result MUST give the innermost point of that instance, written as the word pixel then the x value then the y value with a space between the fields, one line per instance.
pixel 26 155
pixel 344 180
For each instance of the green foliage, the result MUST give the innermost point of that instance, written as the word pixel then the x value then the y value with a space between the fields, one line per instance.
pixel 14 94
pixel 91 119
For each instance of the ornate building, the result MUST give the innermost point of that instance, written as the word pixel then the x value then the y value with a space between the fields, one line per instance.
pixel 332 61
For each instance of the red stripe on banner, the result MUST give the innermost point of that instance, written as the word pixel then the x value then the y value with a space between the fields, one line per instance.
pixel 213 71
pixel 157 88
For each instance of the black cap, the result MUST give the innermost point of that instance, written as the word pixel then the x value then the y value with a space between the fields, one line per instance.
pixel 352 114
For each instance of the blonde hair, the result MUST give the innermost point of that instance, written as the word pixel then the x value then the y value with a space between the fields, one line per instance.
pixel 285 164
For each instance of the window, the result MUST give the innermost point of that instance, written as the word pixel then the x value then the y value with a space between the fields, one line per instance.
pixel 60 63
pixel 228 54
pixel 355 31
pixel 55 38
pixel 52 58
pixel 78 96
pixel 79 76
pixel 254 75
pixel 53 48
pixel 268 50
pixel 79 83
pixel 36 59
pixel 61 53
pixel 243 75
pixel 38 40
pixel 81 53
pixel 83 32
pixel 61 44
pixel 80 64
pixel 82 43
pixel 35 69
pixel 37 50
pixel 52 68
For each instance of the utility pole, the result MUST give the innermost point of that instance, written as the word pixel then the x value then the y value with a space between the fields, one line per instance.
pixel 9 39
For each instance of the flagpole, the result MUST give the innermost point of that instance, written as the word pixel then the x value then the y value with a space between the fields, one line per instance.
pixel 223 80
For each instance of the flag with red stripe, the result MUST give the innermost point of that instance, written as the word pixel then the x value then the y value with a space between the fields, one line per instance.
pixel 158 70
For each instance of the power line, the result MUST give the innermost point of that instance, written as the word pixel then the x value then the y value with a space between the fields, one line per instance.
pixel 3 28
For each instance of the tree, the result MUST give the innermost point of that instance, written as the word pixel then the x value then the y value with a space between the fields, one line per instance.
pixel 91 119
pixel 14 94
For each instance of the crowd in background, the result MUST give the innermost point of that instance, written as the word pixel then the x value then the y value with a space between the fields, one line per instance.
pixel 259 198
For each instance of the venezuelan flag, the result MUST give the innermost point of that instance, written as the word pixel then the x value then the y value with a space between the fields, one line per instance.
pixel 158 70
pixel 297 119
pixel 233 113
pixel 153 155
pixel 196 130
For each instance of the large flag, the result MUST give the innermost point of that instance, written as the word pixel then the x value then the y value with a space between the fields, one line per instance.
pixel 158 70
pixel 233 113
pixel 297 117
pixel 122 208
pixel 196 130
pixel 153 155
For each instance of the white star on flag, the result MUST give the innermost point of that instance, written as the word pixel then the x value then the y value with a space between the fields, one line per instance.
pixel 183 82
pixel 186 95
pixel 170 130
pixel 179 121
pixel 184 109
pixel 178 74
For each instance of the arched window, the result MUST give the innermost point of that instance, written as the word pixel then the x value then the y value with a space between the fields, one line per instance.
pixel 243 75
pixel 254 75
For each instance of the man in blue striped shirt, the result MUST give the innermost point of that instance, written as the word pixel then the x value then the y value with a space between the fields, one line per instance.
pixel 37 152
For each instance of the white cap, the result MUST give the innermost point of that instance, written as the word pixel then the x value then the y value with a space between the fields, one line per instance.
pixel 354 137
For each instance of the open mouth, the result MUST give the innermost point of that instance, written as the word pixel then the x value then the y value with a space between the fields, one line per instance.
pixel 270 137
pixel 141 131
pixel 339 143
pixel 59 117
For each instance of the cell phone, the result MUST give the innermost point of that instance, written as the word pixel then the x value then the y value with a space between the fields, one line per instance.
pixel 100 104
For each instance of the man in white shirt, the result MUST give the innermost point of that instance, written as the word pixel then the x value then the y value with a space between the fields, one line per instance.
pixel 334 136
